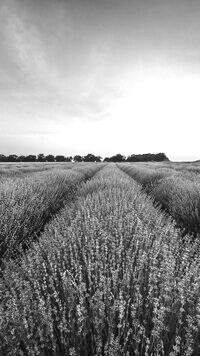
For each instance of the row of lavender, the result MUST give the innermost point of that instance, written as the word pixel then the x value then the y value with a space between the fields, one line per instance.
pixel 177 191
pixel 27 204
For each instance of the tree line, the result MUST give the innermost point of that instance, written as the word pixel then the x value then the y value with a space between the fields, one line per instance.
pixel 145 157
pixel 158 157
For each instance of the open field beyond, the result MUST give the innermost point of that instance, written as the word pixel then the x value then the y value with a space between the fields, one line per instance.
pixel 100 259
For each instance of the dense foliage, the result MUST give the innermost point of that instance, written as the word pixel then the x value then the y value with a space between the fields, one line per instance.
pixel 146 157
pixel 87 158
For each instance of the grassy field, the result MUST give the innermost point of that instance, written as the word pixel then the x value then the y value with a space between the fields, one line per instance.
pixel 100 259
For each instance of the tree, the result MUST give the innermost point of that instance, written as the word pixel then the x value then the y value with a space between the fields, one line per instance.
pixel 132 158
pixel 106 159
pixel 78 158
pixel 30 158
pixel 98 159
pixel 60 158
pixel 40 157
pixel 50 158
pixel 21 159
pixel 147 157
pixel 118 158
pixel 91 158
pixel 68 159
pixel 12 158
pixel 3 158
pixel 161 157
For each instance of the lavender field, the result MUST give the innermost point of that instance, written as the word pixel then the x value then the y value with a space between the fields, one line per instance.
pixel 100 259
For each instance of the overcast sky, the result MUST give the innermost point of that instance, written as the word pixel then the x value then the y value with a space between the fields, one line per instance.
pixel 100 76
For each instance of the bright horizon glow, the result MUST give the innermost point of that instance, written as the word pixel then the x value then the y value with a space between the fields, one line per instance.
pixel 149 105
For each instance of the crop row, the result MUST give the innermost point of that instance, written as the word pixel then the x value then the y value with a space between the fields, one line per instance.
pixel 21 170
pixel 27 204
pixel 177 192
pixel 110 276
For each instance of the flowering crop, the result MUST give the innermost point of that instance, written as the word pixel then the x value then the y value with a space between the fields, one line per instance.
pixel 147 175
pixel 177 192
pixel 110 275
pixel 27 204
pixel 21 170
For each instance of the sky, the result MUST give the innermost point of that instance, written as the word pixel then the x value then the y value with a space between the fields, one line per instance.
pixel 100 76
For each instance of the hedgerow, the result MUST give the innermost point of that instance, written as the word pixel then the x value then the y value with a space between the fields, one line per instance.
pixel 110 275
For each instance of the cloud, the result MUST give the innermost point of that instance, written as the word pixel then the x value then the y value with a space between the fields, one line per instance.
pixel 27 49
pixel 33 32
pixel 71 86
